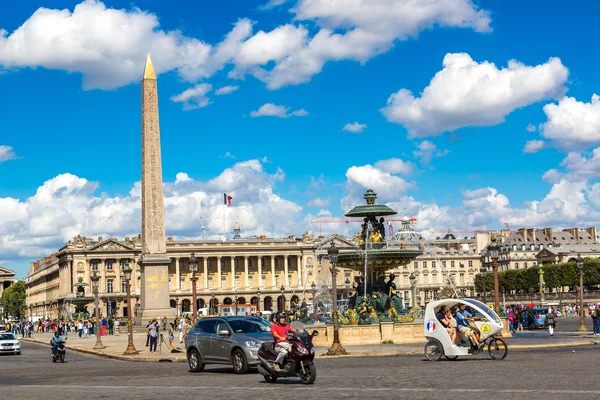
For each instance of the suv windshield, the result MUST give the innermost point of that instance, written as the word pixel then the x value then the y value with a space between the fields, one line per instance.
pixel 249 325
pixel 7 336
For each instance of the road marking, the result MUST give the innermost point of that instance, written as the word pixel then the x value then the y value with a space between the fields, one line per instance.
pixel 313 388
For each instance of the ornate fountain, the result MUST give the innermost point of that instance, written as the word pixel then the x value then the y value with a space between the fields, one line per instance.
pixel 376 299
pixel 80 302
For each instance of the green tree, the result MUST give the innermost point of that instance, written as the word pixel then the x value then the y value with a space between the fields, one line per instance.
pixel 13 299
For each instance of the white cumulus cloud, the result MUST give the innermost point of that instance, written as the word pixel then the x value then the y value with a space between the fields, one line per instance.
pixel 533 146
pixel 6 153
pixel 427 150
pixel 194 97
pixel 274 110
pixel 572 124
pixel 108 46
pixel 226 90
pixel 395 166
pixel 467 93
pixel 354 127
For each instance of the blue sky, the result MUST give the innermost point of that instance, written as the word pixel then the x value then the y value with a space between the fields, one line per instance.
pixel 70 115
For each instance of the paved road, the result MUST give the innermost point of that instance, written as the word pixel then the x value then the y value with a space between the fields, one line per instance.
pixel 559 374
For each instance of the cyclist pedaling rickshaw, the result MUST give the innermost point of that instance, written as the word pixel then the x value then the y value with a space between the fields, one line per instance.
pixel 473 327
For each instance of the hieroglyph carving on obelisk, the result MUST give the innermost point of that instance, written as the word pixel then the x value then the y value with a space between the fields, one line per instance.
pixel 154 261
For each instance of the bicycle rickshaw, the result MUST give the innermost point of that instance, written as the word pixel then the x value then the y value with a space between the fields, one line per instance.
pixel 487 322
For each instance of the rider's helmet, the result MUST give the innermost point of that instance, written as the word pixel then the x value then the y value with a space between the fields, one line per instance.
pixel 279 316
pixel 56 334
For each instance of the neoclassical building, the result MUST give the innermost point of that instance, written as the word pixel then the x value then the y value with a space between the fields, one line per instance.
pixel 256 273
pixel 7 278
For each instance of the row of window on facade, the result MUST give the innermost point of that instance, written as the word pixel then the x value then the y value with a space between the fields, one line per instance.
pixel 108 264
pixel 434 264
pixel 433 294
pixel 434 278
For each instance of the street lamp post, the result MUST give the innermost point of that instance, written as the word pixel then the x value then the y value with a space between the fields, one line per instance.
pixel 215 309
pixel 494 250
pixel 235 298
pixel 542 287
pixel 347 282
pixel 336 346
pixel 131 350
pixel 483 274
pixel 282 288
pixel 95 278
pixel 257 300
pixel 193 261
pixel 413 287
pixel 503 298
pixel 581 312
pixel 177 306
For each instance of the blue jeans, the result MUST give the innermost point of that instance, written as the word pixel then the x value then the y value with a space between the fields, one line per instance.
pixel 597 325
pixel 153 343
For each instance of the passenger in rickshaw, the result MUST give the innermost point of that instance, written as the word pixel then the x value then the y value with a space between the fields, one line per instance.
pixel 464 319
pixel 445 318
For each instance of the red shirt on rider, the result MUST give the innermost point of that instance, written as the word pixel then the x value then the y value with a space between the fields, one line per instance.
pixel 279 332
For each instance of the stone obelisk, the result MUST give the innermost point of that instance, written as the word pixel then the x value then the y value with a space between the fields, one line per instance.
pixel 154 296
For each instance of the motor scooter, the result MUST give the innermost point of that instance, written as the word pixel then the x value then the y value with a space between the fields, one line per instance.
pixel 299 362
pixel 58 352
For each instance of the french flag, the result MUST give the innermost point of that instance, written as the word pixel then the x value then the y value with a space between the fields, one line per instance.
pixel 227 200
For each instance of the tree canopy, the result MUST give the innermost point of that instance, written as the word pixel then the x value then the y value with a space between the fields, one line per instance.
pixel 13 299
pixel 555 276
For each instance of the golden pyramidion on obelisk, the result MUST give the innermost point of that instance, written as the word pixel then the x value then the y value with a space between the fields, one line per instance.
pixel 149 69
pixel 154 291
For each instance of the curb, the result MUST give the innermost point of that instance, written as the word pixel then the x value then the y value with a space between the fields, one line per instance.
pixel 321 356
pixel 113 356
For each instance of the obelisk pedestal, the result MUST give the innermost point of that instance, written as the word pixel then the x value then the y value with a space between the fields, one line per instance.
pixel 154 262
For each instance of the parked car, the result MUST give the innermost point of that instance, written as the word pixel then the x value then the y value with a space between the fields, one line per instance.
pixel 2 328
pixel 9 343
pixel 539 317
pixel 231 340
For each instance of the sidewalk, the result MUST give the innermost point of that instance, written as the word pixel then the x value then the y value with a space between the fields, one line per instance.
pixel 116 345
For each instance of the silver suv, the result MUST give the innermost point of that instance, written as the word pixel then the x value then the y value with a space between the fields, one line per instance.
pixel 231 340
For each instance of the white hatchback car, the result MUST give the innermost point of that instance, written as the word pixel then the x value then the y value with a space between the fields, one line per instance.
pixel 9 344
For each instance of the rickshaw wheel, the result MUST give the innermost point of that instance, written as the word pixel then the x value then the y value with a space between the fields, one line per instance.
pixel 433 350
pixel 498 349
pixel 451 358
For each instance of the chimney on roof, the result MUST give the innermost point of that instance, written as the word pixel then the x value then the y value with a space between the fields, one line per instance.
pixel 170 239
pixel 447 246
pixel 402 246
pixel 531 233
pixel 523 233
pixel 263 237
pixel 421 247
pixel 548 233
pixel 592 231
pixel 575 233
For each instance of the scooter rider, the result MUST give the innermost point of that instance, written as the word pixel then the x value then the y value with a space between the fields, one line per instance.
pixel 282 345
pixel 56 340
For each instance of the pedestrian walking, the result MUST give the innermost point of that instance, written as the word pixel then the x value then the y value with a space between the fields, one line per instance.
pixel 148 333
pixel 111 326
pixel 116 326
pixel 550 321
pixel 80 328
pixel 530 321
pixel 596 320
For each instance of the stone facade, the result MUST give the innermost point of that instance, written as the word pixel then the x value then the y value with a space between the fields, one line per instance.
pixel 226 269
pixel 7 278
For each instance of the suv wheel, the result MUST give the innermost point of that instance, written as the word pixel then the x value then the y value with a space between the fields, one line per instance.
pixel 239 362
pixel 195 361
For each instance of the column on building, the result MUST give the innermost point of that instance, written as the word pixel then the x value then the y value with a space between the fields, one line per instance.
pixel 205 276
pixel 299 267
pixel 232 272
pixel 102 274
pixel 259 260
pixel 273 280
pixel 177 275
pixel 117 286
pixel 219 272
pixel 245 272
pixel 286 269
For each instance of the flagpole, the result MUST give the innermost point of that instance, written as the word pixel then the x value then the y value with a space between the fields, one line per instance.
pixel 223 222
